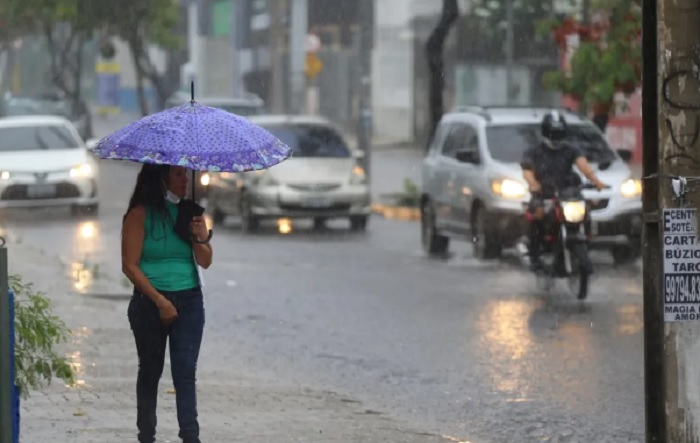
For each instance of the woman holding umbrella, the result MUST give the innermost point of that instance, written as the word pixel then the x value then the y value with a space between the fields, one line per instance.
pixel 167 301
pixel 165 240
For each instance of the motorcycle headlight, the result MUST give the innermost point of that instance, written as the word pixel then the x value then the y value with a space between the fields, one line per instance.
pixel 631 188
pixel 4 175
pixel 82 171
pixel 358 177
pixel 507 188
pixel 574 211
pixel 205 179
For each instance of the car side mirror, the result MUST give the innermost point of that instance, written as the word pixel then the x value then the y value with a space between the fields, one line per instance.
pixel 625 155
pixel 467 156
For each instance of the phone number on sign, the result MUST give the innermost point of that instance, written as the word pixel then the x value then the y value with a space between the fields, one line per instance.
pixel 682 288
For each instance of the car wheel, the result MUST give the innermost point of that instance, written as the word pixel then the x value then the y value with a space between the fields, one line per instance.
pixel 358 222
pixel 625 254
pixel 249 222
pixel 433 243
pixel 485 240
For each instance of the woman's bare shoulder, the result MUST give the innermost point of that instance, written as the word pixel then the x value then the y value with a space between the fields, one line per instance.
pixel 136 214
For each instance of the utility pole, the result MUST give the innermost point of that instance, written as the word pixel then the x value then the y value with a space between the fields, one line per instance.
pixel 236 40
pixel 654 388
pixel 366 45
pixel 509 51
pixel 277 11
pixel 297 54
pixel 671 165
pixel 7 381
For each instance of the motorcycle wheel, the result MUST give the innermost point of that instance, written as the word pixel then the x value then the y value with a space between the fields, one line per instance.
pixel 578 280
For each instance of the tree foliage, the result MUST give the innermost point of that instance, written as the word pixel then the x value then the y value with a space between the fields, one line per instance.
pixel 607 60
pixel 140 23
pixel 68 24
pixel 487 21
pixel 38 333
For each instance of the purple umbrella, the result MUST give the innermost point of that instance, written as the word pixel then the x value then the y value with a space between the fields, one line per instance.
pixel 196 137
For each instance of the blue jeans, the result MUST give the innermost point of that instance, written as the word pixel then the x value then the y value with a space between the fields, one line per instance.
pixel 151 336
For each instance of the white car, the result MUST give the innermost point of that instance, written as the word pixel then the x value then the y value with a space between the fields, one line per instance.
pixel 324 179
pixel 45 163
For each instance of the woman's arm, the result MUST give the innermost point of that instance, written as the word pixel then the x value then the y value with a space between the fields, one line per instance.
pixel 132 245
pixel 203 253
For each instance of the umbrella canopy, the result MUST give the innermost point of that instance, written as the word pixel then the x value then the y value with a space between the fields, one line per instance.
pixel 196 137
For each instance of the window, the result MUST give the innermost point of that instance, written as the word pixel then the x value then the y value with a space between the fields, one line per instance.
pixel 507 143
pixel 437 139
pixel 461 137
pixel 28 138
pixel 311 140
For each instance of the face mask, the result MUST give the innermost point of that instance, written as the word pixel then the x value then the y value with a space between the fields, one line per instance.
pixel 172 198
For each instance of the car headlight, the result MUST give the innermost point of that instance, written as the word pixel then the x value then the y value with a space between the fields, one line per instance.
pixel 507 188
pixel 205 179
pixel 82 171
pixel 631 188
pixel 574 211
pixel 4 175
pixel 358 177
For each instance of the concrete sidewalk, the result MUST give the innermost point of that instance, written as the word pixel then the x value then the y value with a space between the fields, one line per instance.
pixel 235 405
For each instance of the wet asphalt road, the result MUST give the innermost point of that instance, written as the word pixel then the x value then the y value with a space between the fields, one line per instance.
pixel 457 347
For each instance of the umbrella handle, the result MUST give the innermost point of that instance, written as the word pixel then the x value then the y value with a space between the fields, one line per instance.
pixel 211 234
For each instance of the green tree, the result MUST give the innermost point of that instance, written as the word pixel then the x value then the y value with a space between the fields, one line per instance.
pixel 66 26
pixel 607 61
pixel 38 333
pixel 140 23
pixel 487 20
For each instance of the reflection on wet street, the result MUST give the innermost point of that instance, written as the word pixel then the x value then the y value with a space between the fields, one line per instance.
pixel 460 347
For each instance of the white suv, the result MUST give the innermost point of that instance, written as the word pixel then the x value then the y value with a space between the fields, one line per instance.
pixel 473 187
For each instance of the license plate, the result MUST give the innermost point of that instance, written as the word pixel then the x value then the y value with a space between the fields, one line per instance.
pixel 317 202
pixel 41 191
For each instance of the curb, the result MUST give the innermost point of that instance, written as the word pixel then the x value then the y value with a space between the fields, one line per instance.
pixel 397 212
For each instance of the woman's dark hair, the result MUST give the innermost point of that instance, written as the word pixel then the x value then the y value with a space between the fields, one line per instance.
pixel 150 188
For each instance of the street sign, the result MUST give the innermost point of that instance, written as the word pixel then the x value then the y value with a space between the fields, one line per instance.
pixel 313 65
pixel 681 266
pixel 108 79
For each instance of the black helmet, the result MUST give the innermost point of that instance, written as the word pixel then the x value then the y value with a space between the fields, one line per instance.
pixel 554 126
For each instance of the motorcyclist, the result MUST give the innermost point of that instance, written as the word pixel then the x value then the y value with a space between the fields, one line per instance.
pixel 547 167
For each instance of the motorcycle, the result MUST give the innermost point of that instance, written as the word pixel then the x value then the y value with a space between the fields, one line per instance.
pixel 564 252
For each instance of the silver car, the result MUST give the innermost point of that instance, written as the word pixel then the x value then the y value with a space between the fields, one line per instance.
pixel 473 187
pixel 44 163
pixel 323 180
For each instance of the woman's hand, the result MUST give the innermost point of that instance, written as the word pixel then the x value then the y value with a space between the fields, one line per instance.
pixel 168 313
pixel 198 227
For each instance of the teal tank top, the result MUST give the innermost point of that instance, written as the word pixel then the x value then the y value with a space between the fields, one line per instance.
pixel 166 259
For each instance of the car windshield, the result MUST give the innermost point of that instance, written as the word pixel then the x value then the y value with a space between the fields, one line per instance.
pixel 28 106
pixel 507 143
pixel 241 110
pixel 311 140
pixel 30 138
